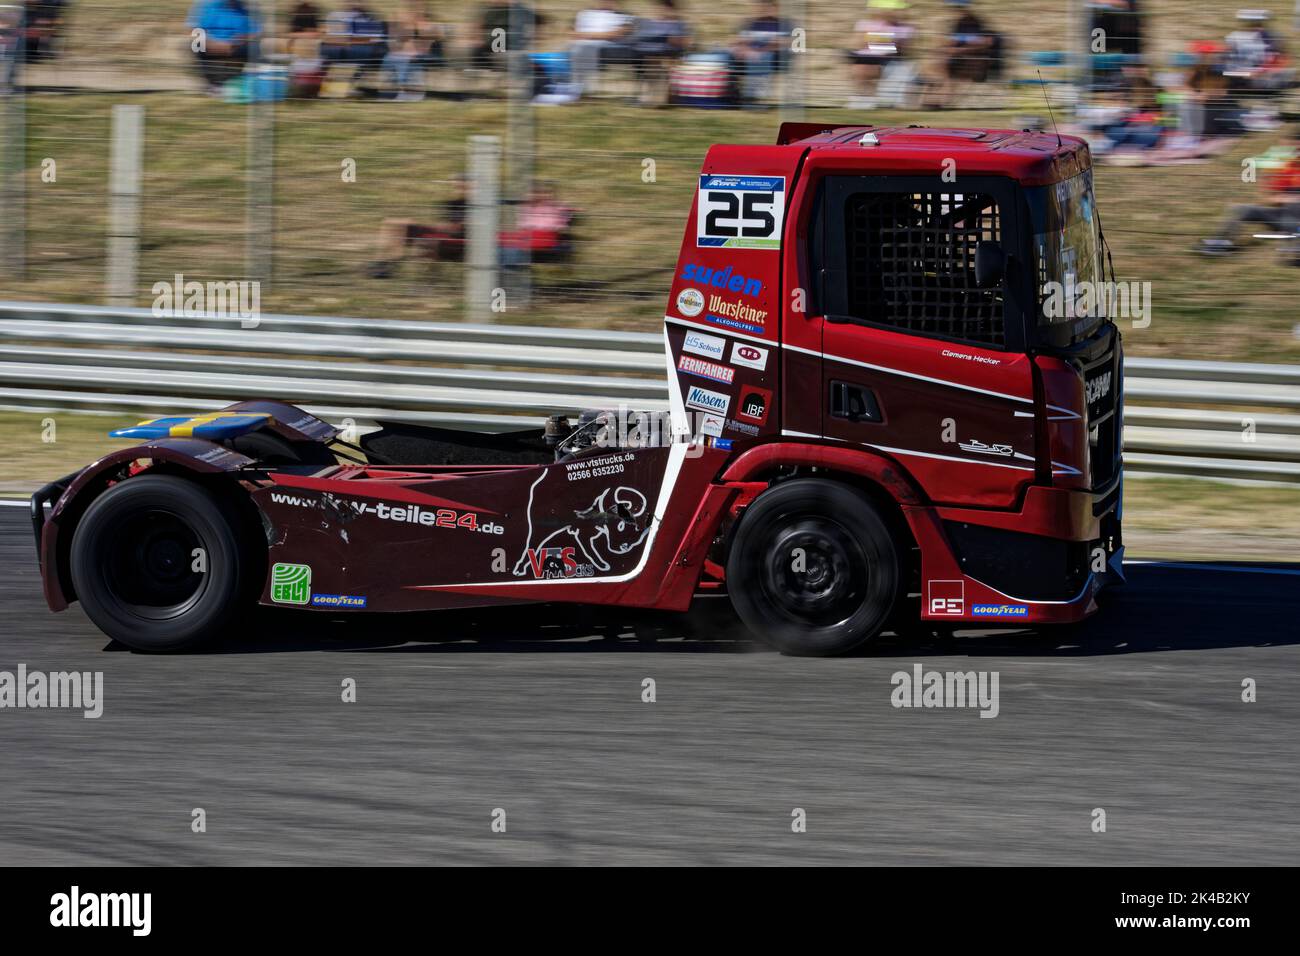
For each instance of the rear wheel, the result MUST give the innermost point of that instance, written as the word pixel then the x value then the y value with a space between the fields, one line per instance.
pixel 813 569
pixel 156 563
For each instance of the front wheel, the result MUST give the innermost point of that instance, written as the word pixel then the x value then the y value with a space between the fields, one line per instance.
pixel 156 563
pixel 813 569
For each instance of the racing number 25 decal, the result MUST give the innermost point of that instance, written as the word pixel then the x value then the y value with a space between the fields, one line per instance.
pixel 740 212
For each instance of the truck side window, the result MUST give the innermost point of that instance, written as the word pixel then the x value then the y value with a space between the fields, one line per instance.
pixel 911 263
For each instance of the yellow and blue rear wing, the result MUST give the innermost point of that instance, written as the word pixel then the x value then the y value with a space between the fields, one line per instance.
pixel 217 426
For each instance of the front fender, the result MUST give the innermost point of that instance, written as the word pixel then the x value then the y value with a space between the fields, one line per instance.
pixel 55 537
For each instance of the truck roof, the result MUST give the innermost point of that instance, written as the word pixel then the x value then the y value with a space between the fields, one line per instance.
pixel 1031 157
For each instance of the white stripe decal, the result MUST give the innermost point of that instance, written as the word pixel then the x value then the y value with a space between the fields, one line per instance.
pixel 1082 591
pixel 915 375
pixel 1190 566
pixel 720 330
pixel 723 330
pixel 908 451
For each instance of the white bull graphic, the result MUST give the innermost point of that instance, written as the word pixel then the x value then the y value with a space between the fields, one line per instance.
pixel 611 525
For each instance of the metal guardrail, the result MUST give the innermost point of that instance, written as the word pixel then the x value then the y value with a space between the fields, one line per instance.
pixel 1213 419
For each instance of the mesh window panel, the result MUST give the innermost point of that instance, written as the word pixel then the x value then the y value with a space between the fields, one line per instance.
pixel 911 260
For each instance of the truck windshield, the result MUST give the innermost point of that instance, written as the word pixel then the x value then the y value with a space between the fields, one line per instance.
pixel 1072 299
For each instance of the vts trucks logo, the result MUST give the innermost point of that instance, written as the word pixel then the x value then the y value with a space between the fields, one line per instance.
pixel 613 525
pixel 947 597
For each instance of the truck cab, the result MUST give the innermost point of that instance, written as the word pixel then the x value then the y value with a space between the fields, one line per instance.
pixel 874 299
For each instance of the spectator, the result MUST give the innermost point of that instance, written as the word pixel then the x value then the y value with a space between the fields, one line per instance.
pixel 886 38
pixel 10 38
pixel 971 53
pixel 416 46
pixel 543 229
pixel 1139 125
pixel 43 25
pixel 306 70
pixel 229 31
pixel 1256 60
pixel 600 35
pixel 355 36
pixel 1121 24
pixel 654 41
pixel 1280 214
pixel 504 27
pixel 760 50
pixel 442 241
pixel 304 22
pixel 1205 107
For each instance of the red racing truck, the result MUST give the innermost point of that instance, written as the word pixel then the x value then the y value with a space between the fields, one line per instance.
pixel 873 422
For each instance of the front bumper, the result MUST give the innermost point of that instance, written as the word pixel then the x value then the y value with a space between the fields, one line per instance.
pixel 1043 564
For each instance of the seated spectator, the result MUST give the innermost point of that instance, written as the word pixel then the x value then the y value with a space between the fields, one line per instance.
pixel 1255 59
pixel 760 50
pixel 1121 24
pixel 543 229
pixel 306 70
pixel 10 38
pixel 600 36
pixel 43 25
pixel 1280 214
pixel 971 53
pixel 230 28
pixel 1140 125
pixel 417 45
pixel 354 36
pixel 655 41
pixel 441 241
pixel 1206 107
pixel 304 22
pixel 505 28
pixel 886 38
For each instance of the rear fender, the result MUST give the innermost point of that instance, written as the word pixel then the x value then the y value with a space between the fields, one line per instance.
pixel 54 542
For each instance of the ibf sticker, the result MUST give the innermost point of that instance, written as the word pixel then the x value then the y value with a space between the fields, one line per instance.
pixel 754 403
pixel 740 212
pixel 947 597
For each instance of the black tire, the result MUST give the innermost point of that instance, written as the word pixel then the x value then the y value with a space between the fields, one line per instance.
pixel 841 593
pixel 133 566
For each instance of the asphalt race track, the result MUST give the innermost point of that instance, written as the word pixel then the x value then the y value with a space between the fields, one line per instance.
pixel 539 713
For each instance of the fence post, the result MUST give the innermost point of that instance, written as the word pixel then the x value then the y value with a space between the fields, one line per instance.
pixel 260 213
pixel 483 228
pixel 13 145
pixel 794 92
pixel 520 147
pixel 124 168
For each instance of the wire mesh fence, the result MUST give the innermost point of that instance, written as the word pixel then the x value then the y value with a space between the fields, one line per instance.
pixel 325 160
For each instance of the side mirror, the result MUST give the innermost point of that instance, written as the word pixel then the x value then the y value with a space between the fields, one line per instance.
pixel 990 264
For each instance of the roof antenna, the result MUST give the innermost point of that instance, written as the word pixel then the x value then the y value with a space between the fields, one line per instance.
pixel 1043 86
